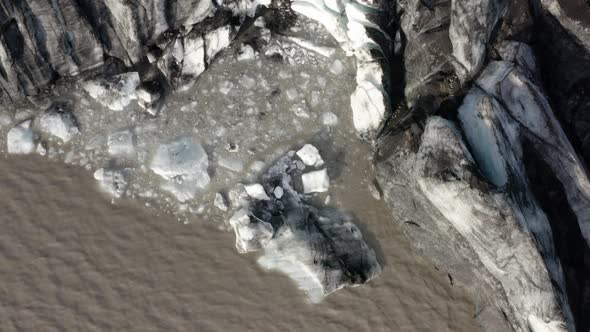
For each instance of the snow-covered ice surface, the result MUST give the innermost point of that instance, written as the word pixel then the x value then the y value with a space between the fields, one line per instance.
pixel 241 114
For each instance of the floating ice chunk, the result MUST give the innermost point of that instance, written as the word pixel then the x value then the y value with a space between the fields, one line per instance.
pixel 121 143
pixel 58 123
pixel 116 93
pixel 183 162
pixel 246 53
pixel 220 202
pixel 256 191
pixel 112 182
pixel 374 191
pixel 183 156
pixel 329 119
pixel 21 139
pixel 250 236
pixel 232 163
pixel 310 155
pixel 278 192
pixel 321 50
pixel 217 40
pixel 316 181
pixel 337 68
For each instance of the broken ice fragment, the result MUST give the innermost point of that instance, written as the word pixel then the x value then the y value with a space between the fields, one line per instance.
pixel 183 156
pixel 116 92
pixel 21 139
pixel 217 40
pixel 58 123
pixel 148 97
pixel 256 191
pixel 220 202
pixel 250 235
pixel 278 192
pixel 316 181
pixel 121 143
pixel 329 119
pixel 112 182
pixel 310 155
pixel 184 163
pixel 246 53
pixel 232 163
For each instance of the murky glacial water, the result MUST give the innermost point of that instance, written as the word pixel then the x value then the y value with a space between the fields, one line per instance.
pixel 72 261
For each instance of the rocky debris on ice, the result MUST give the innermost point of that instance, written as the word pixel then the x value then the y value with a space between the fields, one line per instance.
pixel 112 182
pixel 183 164
pixel 21 139
pixel 121 143
pixel 116 92
pixel 57 122
pixel 310 155
pixel 322 250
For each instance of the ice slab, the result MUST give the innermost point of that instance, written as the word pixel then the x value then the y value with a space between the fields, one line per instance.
pixel 21 139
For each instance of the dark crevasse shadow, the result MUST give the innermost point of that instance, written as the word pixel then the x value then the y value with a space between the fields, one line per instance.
pixel 570 245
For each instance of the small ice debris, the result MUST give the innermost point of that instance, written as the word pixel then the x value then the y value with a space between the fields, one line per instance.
pixel 148 97
pixel 374 191
pixel 21 139
pixel 246 53
pixel 321 50
pixel 316 181
pixel 274 51
pixel 117 92
pixel 238 196
pixel 232 163
pixel 220 202
pixel 256 191
pixel 250 236
pixel 57 122
pixel 337 67
pixel 112 182
pixel 310 155
pixel 257 166
pixel 329 119
pixel 121 143
pixel 41 150
pixel 278 192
